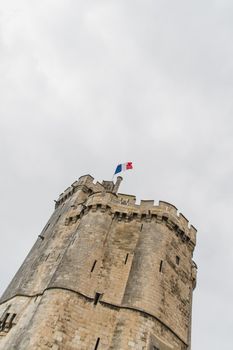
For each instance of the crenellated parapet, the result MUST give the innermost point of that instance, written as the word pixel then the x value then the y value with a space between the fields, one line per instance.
pixel 124 207
pixel 84 183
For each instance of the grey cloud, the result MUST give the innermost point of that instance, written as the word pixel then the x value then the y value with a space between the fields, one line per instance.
pixel 85 85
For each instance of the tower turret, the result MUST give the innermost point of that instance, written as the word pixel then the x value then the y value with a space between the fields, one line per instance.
pixel 105 273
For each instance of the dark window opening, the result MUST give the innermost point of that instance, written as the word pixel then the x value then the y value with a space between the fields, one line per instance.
pixel 155 348
pixel 11 320
pixel 93 266
pixel 3 322
pixel 141 227
pixel 97 298
pixel 177 260
pixel 97 344
pixel 4 313
pixel 161 266
pixel 126 258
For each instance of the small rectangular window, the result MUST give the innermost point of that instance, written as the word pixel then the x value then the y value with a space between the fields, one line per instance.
pixel 97 344
pixel 161 266
pixel 177 260
pixel 3 323
pixel 11 320
pixel 93 266
pixel 97 298
pixel 4 313
pixel 126 258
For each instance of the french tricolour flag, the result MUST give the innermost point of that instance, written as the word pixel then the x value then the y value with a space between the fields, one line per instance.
pixel 123 167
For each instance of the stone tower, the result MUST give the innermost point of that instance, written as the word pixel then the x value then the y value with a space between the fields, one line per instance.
pixel 105 273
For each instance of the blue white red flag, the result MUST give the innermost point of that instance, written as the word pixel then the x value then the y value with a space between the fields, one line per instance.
pixel 123 167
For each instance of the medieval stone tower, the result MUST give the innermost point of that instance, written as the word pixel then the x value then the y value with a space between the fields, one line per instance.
pixel 105 273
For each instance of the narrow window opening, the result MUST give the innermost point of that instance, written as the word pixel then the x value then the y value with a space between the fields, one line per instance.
pixel 11 320
pixel 141 227
pixel 4 313
pixel 4 321
pixel 177 260
pixel 123 216
pixel 93 266
pixel 97 344
pixel 161 266
pixel 97 298
pixel 126 258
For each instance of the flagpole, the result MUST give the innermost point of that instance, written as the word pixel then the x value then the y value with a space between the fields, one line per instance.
pixel 113 176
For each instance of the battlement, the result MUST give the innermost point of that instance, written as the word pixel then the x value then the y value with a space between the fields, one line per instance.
pixel 103 196
pixel 124 206
pixel 126 198
pixel 85 182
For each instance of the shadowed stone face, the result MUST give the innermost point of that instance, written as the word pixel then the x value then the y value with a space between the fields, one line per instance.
pixel 104 273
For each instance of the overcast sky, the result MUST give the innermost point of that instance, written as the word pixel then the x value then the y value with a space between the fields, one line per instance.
pixel 85 85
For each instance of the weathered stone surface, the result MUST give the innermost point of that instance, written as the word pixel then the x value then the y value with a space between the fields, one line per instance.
pixel 104 273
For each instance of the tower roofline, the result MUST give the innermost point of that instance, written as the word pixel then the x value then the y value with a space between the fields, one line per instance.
pixel 127 203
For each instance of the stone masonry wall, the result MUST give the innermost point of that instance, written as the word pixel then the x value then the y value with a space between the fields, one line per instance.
pixel 104 273
pixel 61 319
